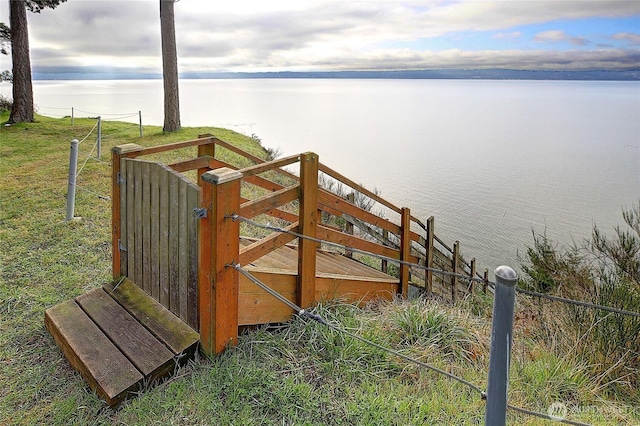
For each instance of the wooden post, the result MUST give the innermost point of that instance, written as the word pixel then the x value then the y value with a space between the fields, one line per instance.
pixel 348 228
pixel 405 251
pixel 117 153
pixel 385 264
pixel 485 284
pixel 219 248
pixel 472 274
pixel 429 257
pixel 454 279
pixel 308 216
pixel 204 151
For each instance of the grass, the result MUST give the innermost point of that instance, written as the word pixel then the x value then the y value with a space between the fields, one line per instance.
pixel 296 373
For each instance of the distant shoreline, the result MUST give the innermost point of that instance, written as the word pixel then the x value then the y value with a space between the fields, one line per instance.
pixel 441 74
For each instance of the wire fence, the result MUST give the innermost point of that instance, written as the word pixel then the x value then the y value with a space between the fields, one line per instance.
pixel 319 319
pixel 100 136
pixel 304 314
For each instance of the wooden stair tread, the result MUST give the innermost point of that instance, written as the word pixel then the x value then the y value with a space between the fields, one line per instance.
pixel 150 356
pixel 118 337
pixel 165 326
pixel 89 351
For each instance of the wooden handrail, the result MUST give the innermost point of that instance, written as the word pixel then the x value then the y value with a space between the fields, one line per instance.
pixel 170 147
pixel 256 160
pixel 337 176
pixel 269 202
pixel 271 165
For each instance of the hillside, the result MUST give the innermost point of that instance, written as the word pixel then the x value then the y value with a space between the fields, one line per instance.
pixel 294 373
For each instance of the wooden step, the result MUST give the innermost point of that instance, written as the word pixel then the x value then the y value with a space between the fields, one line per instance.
pixel 118 338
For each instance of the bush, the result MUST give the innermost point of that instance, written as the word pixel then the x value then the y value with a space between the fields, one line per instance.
pixel 605 271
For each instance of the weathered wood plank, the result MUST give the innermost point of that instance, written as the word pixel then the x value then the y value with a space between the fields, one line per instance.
pixel 107 371
pixel 183 248
pixel 131 219
pixel 154 235
pixel 174 245
pixel 122 214
pixel 163 243
pixel 164 325
pixel 138 222
pixel 146 226
pixel 192 287
pixel 144 351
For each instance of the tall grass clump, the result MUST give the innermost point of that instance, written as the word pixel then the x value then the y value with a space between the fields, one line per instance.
pixel 605 270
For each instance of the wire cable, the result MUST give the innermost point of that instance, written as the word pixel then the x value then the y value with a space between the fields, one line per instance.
pixel 319 319
pixel 355 250
pixel 546 416
pixel 577 302
pixel 301 312
pixel 435 270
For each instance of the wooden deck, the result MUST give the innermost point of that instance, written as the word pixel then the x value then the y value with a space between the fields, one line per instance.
pixel 119 338
pixel 337 277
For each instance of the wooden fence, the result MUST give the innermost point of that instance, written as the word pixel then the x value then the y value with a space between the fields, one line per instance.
pixel 143 193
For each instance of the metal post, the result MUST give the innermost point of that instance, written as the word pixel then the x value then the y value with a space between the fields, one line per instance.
pixel 501 338
pixel 72 116
pixel 99 141
pixel 140 116
pixel 71 191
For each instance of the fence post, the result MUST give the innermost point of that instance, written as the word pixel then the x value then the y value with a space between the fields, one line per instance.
pixel 501 339
pixel 219 248
pixel 485 282
pixel 429 255
pixel 405 251
pixel 472 274
pixel 72 116
pixel 454 278
pixel 140 117
pixel 71 189
pixel 207 150
pixel 99 140
pixel 308 214
pixel 348 227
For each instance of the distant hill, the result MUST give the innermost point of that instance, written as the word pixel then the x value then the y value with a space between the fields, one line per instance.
pixel 472 74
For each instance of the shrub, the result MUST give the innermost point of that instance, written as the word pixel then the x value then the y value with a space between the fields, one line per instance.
pixel 605 271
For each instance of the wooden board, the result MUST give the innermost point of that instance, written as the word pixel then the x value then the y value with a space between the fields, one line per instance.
pixel 150 356
pixel 107 371
pixel 166 327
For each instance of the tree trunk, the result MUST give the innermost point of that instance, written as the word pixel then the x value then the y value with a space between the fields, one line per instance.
pixel 169 67
pixel 22 109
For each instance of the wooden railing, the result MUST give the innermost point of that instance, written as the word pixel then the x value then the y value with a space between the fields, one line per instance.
pixel 301 206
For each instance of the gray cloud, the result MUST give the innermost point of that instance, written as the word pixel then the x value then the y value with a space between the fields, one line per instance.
pixel 322 35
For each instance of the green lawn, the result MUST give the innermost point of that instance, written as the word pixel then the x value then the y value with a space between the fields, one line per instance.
pixel 298 373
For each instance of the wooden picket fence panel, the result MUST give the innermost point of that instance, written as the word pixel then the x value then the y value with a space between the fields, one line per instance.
pixel 159 235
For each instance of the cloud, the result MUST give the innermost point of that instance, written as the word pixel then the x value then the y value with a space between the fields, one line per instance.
pixel 633 39
pixel 558 36
pixel 244 35
pixel 507 36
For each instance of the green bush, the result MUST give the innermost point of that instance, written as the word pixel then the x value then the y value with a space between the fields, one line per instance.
pixel 605 271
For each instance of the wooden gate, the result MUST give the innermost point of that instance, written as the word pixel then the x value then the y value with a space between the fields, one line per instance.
pixel 159 235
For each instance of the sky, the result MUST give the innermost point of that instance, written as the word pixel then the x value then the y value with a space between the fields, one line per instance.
pixel 326 35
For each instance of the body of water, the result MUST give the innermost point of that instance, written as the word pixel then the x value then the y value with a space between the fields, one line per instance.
pixel 491 160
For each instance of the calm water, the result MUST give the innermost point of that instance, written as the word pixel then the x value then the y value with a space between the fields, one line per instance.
pixel 491 160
